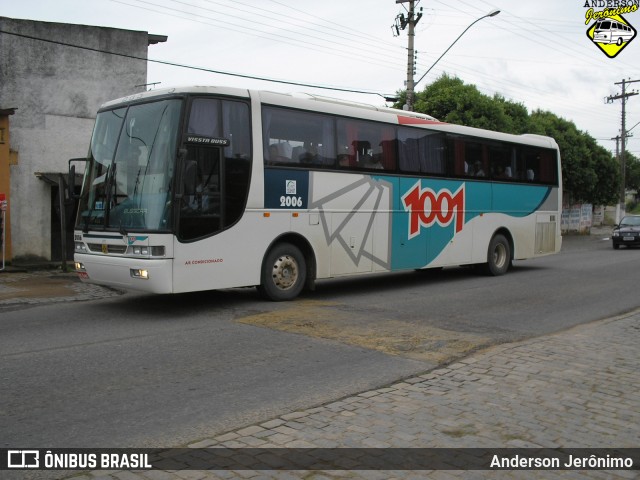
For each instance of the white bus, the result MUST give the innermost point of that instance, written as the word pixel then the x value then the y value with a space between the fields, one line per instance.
pixel 608 30
pixel 207 188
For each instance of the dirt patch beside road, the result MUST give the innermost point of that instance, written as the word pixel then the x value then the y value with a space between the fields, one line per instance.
pixel 339 322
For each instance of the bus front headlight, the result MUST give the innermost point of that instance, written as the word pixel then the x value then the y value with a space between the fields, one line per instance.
pixel 139 273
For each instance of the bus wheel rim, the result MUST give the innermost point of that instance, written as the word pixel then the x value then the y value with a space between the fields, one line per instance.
pixel 499 256
pixel 285 272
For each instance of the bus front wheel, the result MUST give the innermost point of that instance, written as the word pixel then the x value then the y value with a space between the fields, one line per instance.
pixel 498 256
pixel 283 273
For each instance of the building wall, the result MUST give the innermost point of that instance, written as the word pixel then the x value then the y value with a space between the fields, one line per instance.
pixel 57 90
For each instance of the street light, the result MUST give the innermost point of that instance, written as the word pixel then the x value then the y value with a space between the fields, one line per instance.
pixel 490 14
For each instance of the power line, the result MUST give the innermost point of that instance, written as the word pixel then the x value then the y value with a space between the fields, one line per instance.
pixel 193 67
pixel 256 22
pixel 346 28
pixel 279 37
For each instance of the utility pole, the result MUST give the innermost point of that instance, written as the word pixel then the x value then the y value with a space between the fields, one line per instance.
pixel 623 136
pixel 402 22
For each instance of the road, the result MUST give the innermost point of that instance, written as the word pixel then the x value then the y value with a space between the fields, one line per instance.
pixel 158 371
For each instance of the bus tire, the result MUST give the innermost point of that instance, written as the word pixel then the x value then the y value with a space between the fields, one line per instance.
pixel 284 273
pixel 498 256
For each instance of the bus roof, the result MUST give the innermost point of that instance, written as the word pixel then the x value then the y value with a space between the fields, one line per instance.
pixel 142 96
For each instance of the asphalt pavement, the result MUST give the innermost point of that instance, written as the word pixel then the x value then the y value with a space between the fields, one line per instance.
pixel 573 389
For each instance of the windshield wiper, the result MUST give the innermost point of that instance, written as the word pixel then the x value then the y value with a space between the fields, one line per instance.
pixel 122 230
pixel 110 185
pixel 85 228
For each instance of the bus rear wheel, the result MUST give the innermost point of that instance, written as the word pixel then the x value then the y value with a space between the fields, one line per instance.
pixel 498 256
pixel 283 273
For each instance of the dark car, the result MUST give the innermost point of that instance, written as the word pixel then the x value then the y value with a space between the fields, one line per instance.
pixel 627 232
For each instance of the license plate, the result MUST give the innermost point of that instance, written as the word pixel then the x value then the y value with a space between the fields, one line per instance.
pixel 628 239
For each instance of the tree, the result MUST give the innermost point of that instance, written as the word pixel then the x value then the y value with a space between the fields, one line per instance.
pixel 516 113
pixel 450 100
pixel 632 171
pixel 605 190
pixel 590 174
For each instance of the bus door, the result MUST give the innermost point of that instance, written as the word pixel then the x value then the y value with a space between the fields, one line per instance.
pixel 215 167
pixel 202 206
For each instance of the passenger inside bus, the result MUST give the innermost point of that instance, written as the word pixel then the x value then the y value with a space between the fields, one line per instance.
pixel 478 170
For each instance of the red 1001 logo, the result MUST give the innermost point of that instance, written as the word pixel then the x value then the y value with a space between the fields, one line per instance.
pixel 427 207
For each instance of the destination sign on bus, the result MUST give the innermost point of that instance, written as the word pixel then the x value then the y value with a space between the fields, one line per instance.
pixel 212 141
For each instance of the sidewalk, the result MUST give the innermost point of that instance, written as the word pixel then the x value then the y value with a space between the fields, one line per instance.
pixel 573 389
pixel 22 288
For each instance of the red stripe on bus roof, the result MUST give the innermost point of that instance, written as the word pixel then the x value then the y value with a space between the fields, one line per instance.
pixel 402 120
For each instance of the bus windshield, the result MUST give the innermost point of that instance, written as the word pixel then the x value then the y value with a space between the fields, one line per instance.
pixel 128 179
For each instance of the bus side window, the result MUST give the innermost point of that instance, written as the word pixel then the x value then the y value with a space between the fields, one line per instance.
pixel 365 157
pixel 541 166
pixel 421 151
pixel 475 157
pixel 295 138
pixel 370 146
pixel 458 165
pixel 499 157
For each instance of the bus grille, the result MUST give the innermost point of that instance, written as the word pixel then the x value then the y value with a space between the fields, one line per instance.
pixel 97 247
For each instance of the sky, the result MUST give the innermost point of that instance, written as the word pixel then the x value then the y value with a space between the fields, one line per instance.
pixel 536 53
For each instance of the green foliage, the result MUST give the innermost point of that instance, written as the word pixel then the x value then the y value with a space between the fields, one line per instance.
pixel 590 173
pixel 450 100
pixel 632 171
pixel 516 113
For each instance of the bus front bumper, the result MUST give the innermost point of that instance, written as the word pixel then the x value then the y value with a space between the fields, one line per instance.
pixel 154 276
